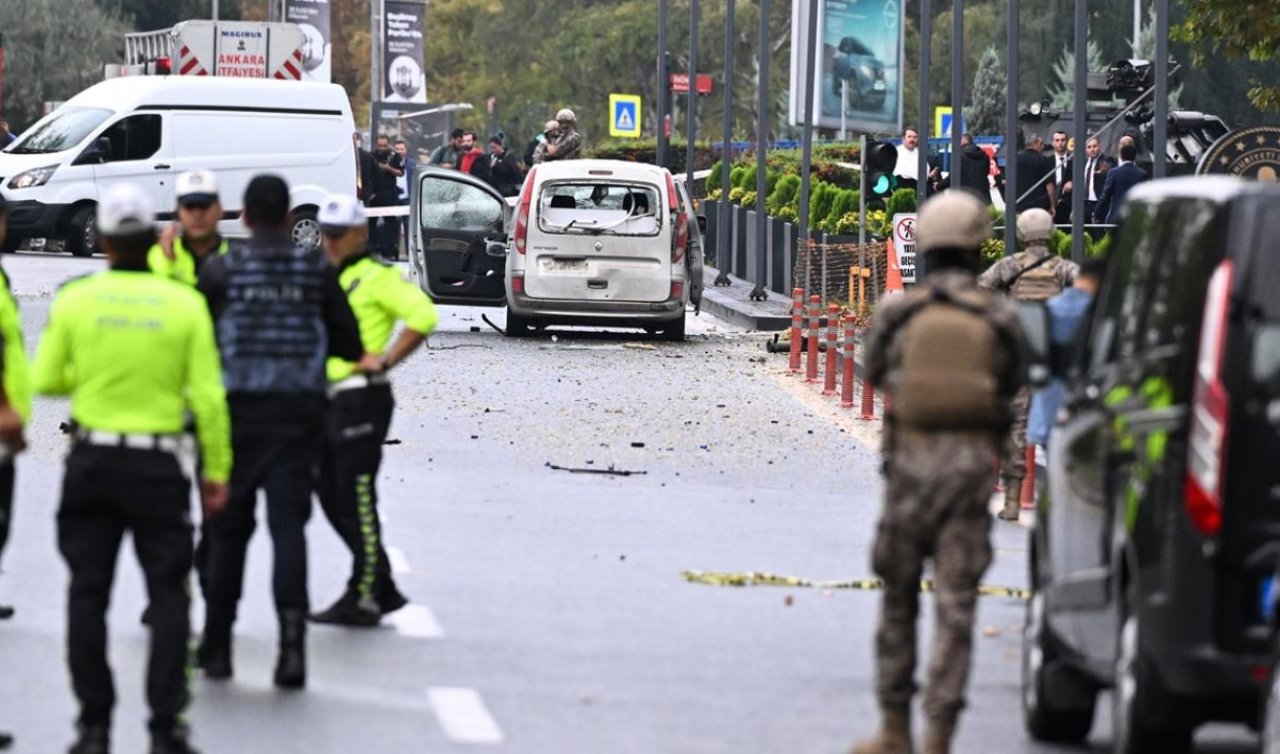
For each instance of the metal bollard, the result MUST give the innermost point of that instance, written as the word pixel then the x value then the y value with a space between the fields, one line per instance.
pixel 797 324
pixel 833 329
pixel 846 378
pixel 1028 493
pixel 811 366
pixel 868 400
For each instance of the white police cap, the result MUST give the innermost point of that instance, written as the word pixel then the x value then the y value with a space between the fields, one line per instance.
pixel 125 210
pixel 197 187
pixel 341 211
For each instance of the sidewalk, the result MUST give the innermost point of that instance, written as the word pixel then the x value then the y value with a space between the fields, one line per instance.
pixel 732 304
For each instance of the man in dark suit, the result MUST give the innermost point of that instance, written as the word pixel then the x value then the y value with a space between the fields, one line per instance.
pixel 1034 169
pixel 1060 161
pixel 1095 170
pixel 1120 180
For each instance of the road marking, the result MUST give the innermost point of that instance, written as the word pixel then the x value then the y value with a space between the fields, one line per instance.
pixel 399 563
pixel 416 622
pixel 463 716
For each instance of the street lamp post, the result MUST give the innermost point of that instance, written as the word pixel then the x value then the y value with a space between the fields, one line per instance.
pixel 1011 131
pixel 806 153
pixel 689 153
pixel 1079 192
pixel 926 59
pixel 762 135
pixel 957 89
pixel 663 84
pixel 1161 134
pixel 726 153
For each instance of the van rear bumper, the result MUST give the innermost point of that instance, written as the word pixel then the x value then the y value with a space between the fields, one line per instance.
pixel 30 219
pixel 593 310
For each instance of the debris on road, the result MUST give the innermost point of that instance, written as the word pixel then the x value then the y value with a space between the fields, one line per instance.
pixel 611 471
pixel 760 578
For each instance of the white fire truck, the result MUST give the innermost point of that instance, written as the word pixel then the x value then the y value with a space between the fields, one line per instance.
pixel 246 49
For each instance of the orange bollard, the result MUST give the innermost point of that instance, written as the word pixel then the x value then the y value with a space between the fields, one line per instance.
pixel 888 402
pixel 1029 481
pixel 811 366
pixel 846 378
pixel 868 400
pixel 797 324
pixel 833 328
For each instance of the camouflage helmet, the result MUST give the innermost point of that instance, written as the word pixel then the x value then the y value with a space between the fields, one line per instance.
pixel 566 116
pixel 952 220
pixel 1035 225
pixel 550 126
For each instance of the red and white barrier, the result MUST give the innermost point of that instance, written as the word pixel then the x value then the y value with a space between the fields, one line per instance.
pixel 833 329
pixel 811 365
pixel 1028 492
pixel 846 378
pixel 797 324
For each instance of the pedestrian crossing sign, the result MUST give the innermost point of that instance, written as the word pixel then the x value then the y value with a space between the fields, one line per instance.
pixel 624 115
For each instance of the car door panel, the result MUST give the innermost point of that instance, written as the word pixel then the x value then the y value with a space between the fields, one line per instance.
pixel 456 219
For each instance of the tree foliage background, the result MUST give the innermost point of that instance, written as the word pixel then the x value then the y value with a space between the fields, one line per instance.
pixel 535 56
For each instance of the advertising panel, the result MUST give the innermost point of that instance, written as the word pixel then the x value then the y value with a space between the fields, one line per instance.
pixel 859 64
pixel 312 16
pixel 402 51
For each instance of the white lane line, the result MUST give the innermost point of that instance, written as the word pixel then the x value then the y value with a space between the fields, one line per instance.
pixel 416 622
pixel 463 716
pixel 399 563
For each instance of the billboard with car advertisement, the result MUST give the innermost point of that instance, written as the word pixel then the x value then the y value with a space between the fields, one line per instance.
pixel 858 64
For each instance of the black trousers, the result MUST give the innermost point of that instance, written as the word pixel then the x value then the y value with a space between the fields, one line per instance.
pixel 385 236
pixel 274 440
pixel 6 502
pixel 107 491
pixel 355 429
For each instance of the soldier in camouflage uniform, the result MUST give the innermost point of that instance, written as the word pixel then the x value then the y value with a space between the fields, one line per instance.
pixel 1034 274
pixel 567 145
pixel 550 132
pixel 951 355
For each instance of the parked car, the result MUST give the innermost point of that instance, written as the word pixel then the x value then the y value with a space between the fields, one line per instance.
pixel 864 72
pixel 1148 559
pixel 145 130
pixel 593 242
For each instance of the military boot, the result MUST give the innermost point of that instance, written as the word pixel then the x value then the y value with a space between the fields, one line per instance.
pixel 894 736
pixel 213 656
pixel 937 738
pixel 291 668
pixel 176 740
pixel 1012 500
pixel 92 739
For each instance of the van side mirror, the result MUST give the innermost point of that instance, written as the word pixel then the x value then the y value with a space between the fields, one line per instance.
pixel 1035 330
pixel 702 224
pixel 496 249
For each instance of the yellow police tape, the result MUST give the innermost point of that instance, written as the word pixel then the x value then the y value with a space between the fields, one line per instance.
pixel 759 578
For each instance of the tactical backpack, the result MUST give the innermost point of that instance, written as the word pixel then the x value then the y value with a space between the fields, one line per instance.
pixel 1038 279
pixel 947 376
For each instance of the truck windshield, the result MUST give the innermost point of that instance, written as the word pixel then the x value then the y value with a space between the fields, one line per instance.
pixel 59 131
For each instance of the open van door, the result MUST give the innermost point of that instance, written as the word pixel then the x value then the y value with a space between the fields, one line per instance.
pixel 457 242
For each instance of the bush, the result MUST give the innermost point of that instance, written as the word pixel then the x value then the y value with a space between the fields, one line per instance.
pixel 784 194
pixel 821 197
pixel 992 251
pixel 1060 243
pixel 846 202
pixel 717 169
pixel 901 201
pixel 735 176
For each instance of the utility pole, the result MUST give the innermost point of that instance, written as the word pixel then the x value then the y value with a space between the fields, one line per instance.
pixel 1161 134
pixel 1013 60
pixel 1079 191
pixel 375 64
pixel 663 83
pixel 806 153
pixel 957 88
pixel 926 59
pixel 726 154
pixel 214 11
pixel 762 146
pixel 690 152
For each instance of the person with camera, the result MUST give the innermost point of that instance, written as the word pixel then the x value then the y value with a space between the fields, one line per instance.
pixel 388 167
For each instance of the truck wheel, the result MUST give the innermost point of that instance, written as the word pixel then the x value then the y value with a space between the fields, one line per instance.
pixel 1134 730
pixel 1057 704
pixel 305 229
pixel 674 329
pixel 82 233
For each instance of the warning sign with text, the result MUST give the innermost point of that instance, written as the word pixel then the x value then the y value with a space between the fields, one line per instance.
pixel 904 242
pixel 242 52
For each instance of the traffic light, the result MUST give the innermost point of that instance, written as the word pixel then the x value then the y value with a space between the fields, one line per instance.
pixel 882 159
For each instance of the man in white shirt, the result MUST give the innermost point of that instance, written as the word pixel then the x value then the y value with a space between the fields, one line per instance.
pixel 908 168
pixel 1061 177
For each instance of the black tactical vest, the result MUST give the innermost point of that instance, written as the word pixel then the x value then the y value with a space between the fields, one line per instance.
pixel 272 333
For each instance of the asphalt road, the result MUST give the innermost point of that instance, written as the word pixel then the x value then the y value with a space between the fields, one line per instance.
pixel 549 613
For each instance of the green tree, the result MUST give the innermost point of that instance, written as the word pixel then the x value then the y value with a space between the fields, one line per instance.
pixel 49 59
pixel 990 92
pixel 1238 30
pixel 1062 96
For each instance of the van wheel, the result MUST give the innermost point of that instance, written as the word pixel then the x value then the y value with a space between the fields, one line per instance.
pixel 518 326
pixel 11 244
pixel 674 329
pixel 305 229
pixel 1057 704
pixel 82 233
pixel 1134 730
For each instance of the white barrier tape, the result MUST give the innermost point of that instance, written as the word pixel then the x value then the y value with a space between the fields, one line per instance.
pixel 386 211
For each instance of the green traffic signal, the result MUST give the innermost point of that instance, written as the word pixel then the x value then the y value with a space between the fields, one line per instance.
pixel 882 185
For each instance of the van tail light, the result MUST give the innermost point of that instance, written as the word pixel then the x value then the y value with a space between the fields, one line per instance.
pixel 680 239
pixel 677 290
pixel 517 284
pixel 1210 410
pixel 522 213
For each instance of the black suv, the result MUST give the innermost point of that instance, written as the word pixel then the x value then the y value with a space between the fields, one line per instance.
pixel 1152 549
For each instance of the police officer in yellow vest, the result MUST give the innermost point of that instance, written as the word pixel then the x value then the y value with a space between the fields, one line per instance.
pixel 15 408
pixel 361 405
pixel 134 351
pixel 182 251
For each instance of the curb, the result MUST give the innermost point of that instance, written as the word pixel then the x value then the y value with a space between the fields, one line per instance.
pixel 750 315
